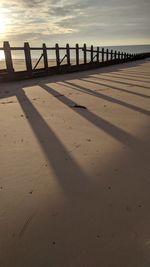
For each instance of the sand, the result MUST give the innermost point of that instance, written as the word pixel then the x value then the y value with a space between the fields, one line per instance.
pixel 75 169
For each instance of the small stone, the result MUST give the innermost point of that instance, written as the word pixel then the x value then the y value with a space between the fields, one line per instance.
pixel 31 192
pixel 79 106
pixel 109 187
pixel 89 140
pixel 140 206
pixel 1 187
pixel 98 236
pixel 21 115
pixel 54 242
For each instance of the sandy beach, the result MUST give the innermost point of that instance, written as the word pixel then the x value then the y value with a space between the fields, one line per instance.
pixel 75 169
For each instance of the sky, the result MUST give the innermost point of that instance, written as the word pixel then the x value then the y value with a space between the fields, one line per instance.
pixel 97 22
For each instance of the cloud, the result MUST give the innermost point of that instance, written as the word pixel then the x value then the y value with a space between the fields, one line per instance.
pixel 58 20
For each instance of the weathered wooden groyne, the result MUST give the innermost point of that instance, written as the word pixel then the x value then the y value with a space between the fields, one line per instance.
pixel 91 58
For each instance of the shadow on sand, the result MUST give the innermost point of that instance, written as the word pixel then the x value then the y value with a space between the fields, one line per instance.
pixel 106 219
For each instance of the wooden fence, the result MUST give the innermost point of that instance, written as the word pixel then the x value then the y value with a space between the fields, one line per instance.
pixel 91 57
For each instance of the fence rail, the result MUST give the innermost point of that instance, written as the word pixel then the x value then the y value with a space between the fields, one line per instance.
pixel 91 57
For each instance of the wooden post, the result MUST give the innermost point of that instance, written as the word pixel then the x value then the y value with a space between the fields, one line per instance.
pixel 45 57
pixel 115 56
pixel 77 54
pixel 97 54
pixel 28 58
pixel 84 54
pixel 57 55
pixel 91 53
pixel 111 56
pixel 107 55
pixel 102 54
pixel 119 55
pixel 122 55
pixel 68 53
pixel 8 57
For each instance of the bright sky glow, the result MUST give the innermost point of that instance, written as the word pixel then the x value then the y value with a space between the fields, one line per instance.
pixel 1 55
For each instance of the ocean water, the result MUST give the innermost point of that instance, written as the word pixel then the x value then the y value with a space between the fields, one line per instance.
pixel 19 61
pixel 131 48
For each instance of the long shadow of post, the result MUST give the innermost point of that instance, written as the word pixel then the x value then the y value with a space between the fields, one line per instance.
pixel 112 130
pixel 125 76
pixel 108 98
pixel 137 72
pixel 70 175
pixel 115 88
pixel 121 82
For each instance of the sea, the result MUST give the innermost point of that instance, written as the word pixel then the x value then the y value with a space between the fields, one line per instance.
pixel 19 61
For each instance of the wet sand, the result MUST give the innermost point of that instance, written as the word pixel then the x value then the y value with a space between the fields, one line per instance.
pixel 75 169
